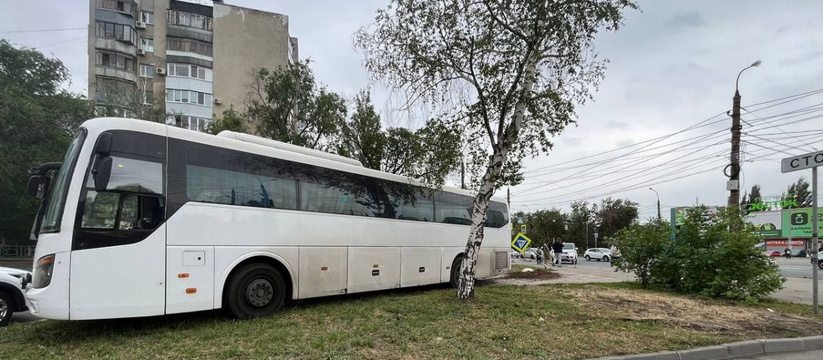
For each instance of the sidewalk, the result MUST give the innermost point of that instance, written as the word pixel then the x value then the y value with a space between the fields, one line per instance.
pixel 804 355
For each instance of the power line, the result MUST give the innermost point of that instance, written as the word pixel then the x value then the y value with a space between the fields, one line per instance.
pixel 705 137
pixel 57 43
pixel 40 30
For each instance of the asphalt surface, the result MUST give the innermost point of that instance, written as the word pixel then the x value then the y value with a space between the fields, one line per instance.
pixel 798 268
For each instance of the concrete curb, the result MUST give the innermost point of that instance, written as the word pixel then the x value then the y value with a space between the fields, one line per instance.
pixel 732 351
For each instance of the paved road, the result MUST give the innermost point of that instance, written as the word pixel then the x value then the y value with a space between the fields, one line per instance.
pixel 797 268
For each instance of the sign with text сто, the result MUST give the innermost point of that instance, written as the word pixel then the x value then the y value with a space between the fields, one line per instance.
pixel 801 162
pixel 808 161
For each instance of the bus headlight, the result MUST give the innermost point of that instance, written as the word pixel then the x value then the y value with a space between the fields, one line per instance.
pixel 42 272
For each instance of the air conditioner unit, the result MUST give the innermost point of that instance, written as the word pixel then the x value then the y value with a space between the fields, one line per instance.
pixel 218 102
pixel 140 25
pixel 141 52
pixel 160 71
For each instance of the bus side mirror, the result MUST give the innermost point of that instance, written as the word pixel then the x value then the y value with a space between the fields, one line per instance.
pixel 33 187
pixel 102 173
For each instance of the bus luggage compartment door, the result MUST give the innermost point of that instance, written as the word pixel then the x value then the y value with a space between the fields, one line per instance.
pixel 189 279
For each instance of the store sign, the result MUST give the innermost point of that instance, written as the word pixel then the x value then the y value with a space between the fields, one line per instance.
pixel 799 222
pixel 767 203
pixel 785 243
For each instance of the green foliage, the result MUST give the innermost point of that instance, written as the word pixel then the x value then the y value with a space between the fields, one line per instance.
pixel 287 105
pixel 612 216
pixel 364 138
pixel 705 258
pixel 37 118
pixel 581 224
pixel 546 226
pixel 641 248
pixel 232 120
pixel 801 192
pixel 428 154
pixel 507 74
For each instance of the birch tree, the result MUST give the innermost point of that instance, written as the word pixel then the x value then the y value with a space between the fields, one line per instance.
pixel 508 73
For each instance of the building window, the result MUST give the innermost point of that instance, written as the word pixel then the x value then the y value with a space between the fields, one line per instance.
pixel 191 20
pixel 147 44
pixel 197 47
pixel 186 70
pixel 189 122
pixel 117 5
pixel 147 17
pixel 148 97
pixel 146 71
pixel 115 31
pixel 188 96
pixel 115 60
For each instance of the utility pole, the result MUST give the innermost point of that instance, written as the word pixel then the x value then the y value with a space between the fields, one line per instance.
pixel 658 204
pixel 734 172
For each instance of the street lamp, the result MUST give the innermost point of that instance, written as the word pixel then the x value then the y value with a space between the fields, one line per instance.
pixel 658 203
pixel 734 173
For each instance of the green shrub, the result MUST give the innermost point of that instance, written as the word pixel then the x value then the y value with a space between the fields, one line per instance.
pixel 705 258
pixel 641 247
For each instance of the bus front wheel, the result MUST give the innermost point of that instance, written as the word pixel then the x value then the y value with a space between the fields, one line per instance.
pixel 255 290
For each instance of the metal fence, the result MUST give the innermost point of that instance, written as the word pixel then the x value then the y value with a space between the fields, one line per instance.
pixel 16 251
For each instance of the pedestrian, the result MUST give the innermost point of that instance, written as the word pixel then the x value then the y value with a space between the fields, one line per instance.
pixel 615 255
pixel 539 254
pixel 788 253
pixel 558 252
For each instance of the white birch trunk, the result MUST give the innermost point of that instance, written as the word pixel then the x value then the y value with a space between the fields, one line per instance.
pixel 465 288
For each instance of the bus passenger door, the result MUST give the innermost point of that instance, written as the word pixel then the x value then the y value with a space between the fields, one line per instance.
pixel 119 241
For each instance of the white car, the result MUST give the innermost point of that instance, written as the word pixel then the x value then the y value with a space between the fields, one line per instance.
pixel 569 253
pixel 13 284
pixel 599 254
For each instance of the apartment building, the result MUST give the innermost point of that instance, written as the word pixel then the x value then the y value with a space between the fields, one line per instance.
pixel 180 61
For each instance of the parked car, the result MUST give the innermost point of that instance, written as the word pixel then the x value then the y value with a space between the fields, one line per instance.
pixel 569 253
pixel 528 254
pixel 599 254
pixel 774 253
pixel 13 284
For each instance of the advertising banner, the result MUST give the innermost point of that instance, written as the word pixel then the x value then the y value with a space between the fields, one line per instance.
pixel 799 222
pixel 767 223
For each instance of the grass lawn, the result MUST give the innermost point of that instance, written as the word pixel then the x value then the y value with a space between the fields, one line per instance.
pixel 578 321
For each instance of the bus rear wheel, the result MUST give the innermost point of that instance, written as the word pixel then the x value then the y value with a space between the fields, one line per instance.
pixel 255 290
pixel 455 273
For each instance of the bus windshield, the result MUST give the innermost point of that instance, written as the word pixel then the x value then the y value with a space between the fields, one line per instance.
pixel 55 200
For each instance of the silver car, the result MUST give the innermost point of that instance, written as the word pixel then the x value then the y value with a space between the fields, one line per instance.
pixel 599 254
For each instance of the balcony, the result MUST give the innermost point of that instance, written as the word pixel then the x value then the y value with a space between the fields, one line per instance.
pixel 127 7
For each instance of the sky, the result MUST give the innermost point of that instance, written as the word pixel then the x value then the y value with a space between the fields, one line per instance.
pixel 672 68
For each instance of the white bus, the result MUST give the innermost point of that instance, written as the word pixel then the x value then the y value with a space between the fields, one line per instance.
pixel 144 219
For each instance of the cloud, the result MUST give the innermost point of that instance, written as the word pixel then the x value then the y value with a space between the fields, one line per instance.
pixel 686 20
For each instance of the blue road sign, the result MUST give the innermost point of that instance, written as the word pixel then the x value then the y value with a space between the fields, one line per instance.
pixel 521 242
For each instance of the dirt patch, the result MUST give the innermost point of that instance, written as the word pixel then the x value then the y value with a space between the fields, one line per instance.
pixel 538 274
pixel 690 313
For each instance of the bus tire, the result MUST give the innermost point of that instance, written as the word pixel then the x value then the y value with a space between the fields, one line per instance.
pixel 255 290
pixel 455 273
